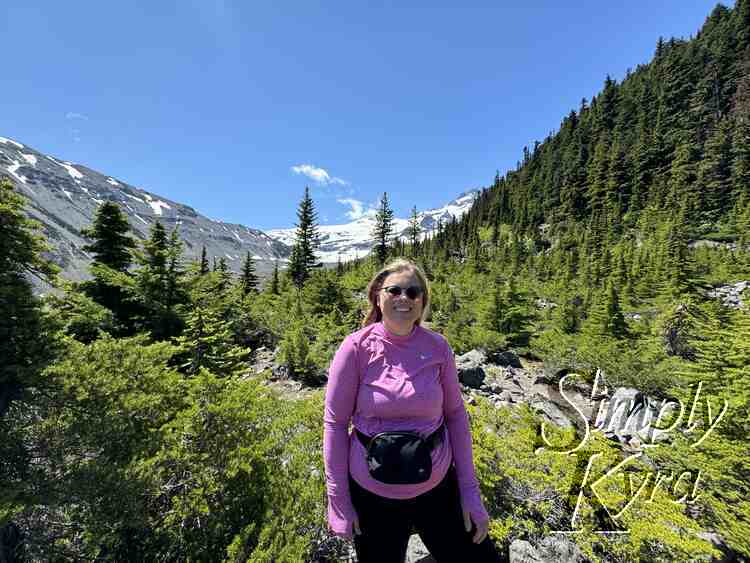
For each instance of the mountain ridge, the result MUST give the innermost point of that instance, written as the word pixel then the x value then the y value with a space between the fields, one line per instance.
pixel 63 196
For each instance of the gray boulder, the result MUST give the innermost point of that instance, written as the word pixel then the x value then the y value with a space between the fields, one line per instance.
pixel 470 367
pixel 552 549
pixel 552 413
pixel 630 413
pixel 730 294
pixel 506 358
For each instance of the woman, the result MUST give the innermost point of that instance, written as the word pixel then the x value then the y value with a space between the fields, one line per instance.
pixel 395 375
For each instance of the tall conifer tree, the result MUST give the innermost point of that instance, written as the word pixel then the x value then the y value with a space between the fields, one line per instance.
pixel 382 230
pixel 248 278
pixel 306 242
pixel 112 243
pixel 414 230
pixel 204 267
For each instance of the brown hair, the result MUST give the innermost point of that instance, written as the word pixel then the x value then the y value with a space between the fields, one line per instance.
pixel 375 315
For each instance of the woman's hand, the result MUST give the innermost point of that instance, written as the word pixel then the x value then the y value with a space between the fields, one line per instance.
pixel 482 528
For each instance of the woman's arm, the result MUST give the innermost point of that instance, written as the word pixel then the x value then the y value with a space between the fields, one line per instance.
pixel 457 421
pixel 340 400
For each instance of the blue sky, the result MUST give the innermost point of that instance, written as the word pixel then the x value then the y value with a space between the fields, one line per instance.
pixel 233 106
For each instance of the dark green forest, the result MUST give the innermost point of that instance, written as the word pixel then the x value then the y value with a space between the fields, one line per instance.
pixel 132 427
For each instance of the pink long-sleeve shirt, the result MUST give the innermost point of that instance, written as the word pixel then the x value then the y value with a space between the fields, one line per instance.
pixel 384 382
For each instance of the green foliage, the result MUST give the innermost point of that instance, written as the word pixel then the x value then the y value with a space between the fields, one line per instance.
pixel 116 291
pixel 207 481
pixel 98 409
pixel 208 340
pixel 294 353
pixel 529 493
pixel 324 294
pixel 606 318
pixel 160 283
pixel 79 316
pixel 25 340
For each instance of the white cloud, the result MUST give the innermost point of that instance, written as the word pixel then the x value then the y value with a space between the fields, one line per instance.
pixel 318 175
pixel 74 115
pixel 357 210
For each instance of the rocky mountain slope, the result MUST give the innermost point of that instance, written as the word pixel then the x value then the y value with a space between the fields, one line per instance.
pixel 354 240
pixel 64 197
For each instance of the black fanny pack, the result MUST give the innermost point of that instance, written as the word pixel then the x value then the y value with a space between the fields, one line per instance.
pixel 400 458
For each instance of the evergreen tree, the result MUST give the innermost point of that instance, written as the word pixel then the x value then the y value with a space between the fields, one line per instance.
pixel 382 230
pixel 413 230
pixel 154 262
pixel 682 175
pixel 248 279
pixel 306 242
pixel 617 179
pixel 679 268
pixel 273 287
pixel 24 339
pixel 224 279
pixel 740 175
pixel 111 244
pixel 204 267
pixel 112 285
pixel 339 266
pixel 714 173
pixel 606 318
pixel 207 342
pixel 159 282
pixel 506 312
pixel 597 180
pixel 175 289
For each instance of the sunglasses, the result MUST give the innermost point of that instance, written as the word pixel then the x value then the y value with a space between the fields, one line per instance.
pixel 412 292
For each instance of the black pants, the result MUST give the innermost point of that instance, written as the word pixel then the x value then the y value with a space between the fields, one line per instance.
pixel 386 525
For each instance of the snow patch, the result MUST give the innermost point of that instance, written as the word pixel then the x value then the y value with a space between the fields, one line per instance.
pixel 141 218
pixel 30 158
pixel 228 256
pixel 113 182
pixel 5 140
pixel 67 193
pixel 98 201
pixel 238 237
pixel 134 197
pixel 12 169
pixel 156 204
pixel 72 171
pixel 69 167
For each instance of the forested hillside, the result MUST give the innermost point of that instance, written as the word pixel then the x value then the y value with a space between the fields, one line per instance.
pixel 139 413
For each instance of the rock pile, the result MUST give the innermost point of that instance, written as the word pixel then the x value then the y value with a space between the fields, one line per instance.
pixel 731 295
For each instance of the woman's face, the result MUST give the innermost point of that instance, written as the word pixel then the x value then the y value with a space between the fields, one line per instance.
pixel 400 312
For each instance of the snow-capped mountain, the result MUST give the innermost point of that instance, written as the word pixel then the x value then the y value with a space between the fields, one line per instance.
pixel 354 240
pixel 64 196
